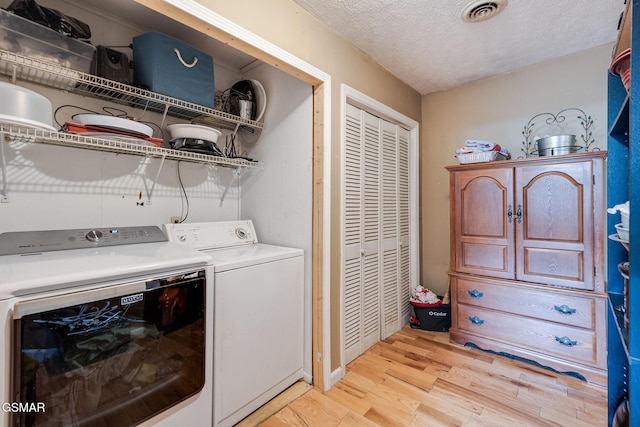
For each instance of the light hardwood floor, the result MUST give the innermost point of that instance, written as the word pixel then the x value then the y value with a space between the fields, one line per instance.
pixel 417 378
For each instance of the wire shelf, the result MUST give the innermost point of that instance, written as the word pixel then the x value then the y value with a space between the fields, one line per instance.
pixel 54 75
pixel 118 145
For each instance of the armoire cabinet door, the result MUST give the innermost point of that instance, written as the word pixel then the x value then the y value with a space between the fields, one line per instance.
pixel 554 237
pixel 483 216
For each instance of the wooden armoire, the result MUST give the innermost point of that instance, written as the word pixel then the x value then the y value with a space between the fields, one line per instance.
pixel 527 260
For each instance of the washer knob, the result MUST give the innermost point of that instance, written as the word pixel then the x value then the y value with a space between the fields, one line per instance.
pixel 241 233
pixel 94 236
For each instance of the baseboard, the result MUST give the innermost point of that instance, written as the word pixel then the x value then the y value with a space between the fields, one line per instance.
pixel 336 376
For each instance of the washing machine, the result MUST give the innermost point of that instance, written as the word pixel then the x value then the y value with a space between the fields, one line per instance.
pixel 258 314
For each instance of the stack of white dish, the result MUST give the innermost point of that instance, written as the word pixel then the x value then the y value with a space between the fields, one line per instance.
pixel 623 228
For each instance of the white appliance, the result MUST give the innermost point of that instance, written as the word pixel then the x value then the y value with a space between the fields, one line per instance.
pixel 113 320
pixel 258 314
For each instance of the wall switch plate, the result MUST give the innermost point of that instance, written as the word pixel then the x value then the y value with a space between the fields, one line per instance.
pixel 175 220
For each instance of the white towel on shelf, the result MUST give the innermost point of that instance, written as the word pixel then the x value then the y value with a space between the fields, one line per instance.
pixel 480 145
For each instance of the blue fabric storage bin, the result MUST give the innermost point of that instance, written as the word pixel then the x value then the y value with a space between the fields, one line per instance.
pixel 171 67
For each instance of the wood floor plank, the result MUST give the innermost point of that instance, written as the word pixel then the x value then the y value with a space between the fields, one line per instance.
pixel 498 403
pixel 508 368
pixel 484 383
pixel 432 417
pixel 400 401
pixel 561 418
pixel 370 366
pixel 459 375
pixel 433 402
pixel 356 384
pixel 425 355
pixel 385 417
pixel 504 379
pixel 466 352
pixel 355 402
pixel 356 420
pixel 590 395
pixel 459 356
pixel 284 417
pixel 457 407
pixel 491 418
pixel 593 413
pixel 386 407
pixel 400 355
pixel 549 400
pixel 320 404
pixel 419 379
pixel 423 380
pixel 277 403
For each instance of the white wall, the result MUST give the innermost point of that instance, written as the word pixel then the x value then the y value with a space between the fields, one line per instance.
pixel 56 187
pixel 278 197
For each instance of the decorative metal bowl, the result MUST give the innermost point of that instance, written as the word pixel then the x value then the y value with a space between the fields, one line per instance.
pixel 557 145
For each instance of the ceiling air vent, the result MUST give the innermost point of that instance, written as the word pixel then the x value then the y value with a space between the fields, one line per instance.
pixel 481 10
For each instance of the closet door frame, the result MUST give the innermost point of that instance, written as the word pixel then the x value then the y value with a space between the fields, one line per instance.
pixel 350 96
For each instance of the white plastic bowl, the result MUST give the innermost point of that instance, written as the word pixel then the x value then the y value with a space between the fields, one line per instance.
pixel 25 107
pixel 205 133
pixel 623 232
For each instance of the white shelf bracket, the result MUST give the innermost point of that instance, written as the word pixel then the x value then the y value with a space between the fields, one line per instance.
pixel 142 171
pixel 4 197
pixel 14 73
pixel 236 175
pixel 155 180
pixel 164 115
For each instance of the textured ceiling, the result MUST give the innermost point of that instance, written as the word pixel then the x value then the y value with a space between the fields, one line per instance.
pixel 426 44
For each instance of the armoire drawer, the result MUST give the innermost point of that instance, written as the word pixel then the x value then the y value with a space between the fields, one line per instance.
pixel 524 300
pixel 575 345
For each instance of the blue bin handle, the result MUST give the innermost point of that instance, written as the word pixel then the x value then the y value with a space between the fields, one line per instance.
pixel 193 64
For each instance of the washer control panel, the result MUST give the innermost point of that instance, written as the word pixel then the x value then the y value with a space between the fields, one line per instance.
pixel 212 235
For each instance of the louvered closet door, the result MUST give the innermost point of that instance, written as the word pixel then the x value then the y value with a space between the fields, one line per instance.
pixel 371 232
pixel 352 268
pixel 389 228
pixel 395 228
pixel 376 222
pixel 404 227
pixel 362 232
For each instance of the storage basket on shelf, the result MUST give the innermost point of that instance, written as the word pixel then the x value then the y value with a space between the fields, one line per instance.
pixel 171 67
pixel 481 157
pixel 42 44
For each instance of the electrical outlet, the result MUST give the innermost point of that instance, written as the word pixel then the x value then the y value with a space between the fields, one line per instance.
pixel 175 220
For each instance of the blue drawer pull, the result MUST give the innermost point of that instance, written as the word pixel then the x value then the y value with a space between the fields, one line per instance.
pixel 566 341
pixel 475 293
pixel 565 309
pixel 476 320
